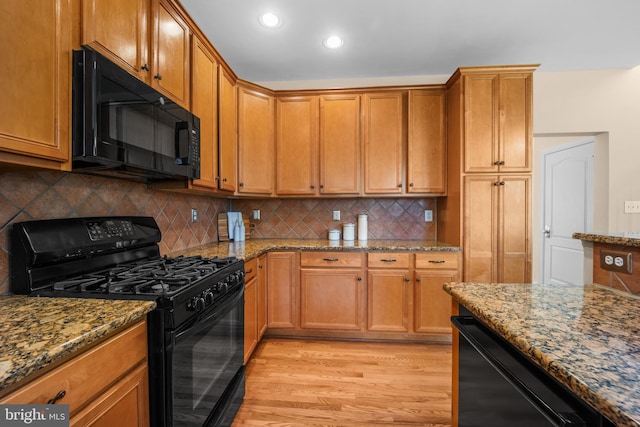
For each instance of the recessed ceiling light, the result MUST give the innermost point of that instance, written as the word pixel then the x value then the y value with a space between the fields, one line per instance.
pixel 270 20
pixel 333 42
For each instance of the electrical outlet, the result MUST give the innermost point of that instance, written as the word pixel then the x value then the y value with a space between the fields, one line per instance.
pixel 428 215
pixel 336 215
pixel 621 262
pixel 194 215
pixel 256 214
pixel 632 206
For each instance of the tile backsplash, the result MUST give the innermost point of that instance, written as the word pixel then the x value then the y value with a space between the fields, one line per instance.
pixel 27 196
pixel 391 218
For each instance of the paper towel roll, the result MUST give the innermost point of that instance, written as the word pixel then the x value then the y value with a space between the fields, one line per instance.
pixel 362 227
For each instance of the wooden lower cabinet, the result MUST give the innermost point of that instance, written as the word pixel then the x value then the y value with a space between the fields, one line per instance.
pixel 104 386
pixel 432 305
pixel 388 292
pixel 375 295
pixel 331 299
pixel 261 283
pixel 282 290
pixel 250 308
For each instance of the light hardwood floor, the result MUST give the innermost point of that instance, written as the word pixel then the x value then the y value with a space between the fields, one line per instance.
pixel 292 382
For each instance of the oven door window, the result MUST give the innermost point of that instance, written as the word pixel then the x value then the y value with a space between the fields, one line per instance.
pixel 205 358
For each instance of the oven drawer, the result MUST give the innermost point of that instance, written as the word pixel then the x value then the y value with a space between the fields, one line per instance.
pixel 84 377
pixel 330 259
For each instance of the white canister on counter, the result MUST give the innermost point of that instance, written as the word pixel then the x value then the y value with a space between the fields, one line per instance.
pixel 334 235
pixel 348 231
pixel 362 227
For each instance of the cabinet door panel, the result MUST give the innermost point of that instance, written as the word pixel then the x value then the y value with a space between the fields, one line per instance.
pixel 250 318
pixel 515 122
pixel 262 295
pixel 387 301
pixel 171 53
pixel 432 304
pixel 480 148
pixel 426 153
pixel 228 124
pixel 35 119
pixel 205 105
pixel 255 142
pixel 340 144
pixel 330 299
pixel 384 135
pixel 119 29
pixel 481 228
pixel 297 145
pixel 515 230
pixel 282 290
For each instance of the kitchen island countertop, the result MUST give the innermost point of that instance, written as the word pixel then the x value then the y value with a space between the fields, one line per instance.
pixel 39 331
pixel 255 247
pixel 587 337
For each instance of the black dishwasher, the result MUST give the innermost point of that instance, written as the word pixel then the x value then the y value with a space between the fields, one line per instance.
pixel 498 386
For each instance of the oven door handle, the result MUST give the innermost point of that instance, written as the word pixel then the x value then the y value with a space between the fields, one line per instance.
pixel 558 418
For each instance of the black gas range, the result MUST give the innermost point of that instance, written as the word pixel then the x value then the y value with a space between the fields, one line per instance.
pixel 199 322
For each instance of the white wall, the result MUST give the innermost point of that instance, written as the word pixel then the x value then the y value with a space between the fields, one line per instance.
pixel 604 102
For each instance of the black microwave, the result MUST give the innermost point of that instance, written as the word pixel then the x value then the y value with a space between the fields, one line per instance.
pixel 124 128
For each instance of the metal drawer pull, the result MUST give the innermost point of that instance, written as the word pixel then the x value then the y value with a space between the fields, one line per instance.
pixel 436 261
pixel 58 396
pixel 388 260
pixel 330 259
pixel 249 271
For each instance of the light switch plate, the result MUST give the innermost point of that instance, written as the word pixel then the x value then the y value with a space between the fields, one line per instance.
pixel 336 215
pixel 428 215
pixel 632 206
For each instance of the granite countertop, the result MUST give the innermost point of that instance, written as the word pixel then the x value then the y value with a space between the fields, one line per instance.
pixel 587 337
pixel 255 247
pixel 39 331
pixel 624 239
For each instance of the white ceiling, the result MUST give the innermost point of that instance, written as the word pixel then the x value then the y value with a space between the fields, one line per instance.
pixel 399 38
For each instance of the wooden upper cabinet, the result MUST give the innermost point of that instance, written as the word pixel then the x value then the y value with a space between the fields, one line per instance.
pixel 340 144
pixel 119 29
pixel 497 125
pixel 297 119
pixel 35 111
pixel 255 141
pixel 426 153
pixel 170 73
pixel 204 104
pixel 228 130
pixel 148 38
pixel 384 136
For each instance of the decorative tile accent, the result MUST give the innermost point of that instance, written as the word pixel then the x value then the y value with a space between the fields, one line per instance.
pixel 311 218
pixel 28 196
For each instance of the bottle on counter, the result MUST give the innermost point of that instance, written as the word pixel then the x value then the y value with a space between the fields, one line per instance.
pixel 362 227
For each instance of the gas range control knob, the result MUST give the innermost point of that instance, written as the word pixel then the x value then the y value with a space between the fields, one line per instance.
pixel 208 297
pixel 196 304
pixel 223 287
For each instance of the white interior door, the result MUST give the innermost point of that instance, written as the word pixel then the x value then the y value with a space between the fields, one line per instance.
pixel 568 208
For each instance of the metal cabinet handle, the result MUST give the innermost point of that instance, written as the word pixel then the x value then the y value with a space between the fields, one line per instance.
pixel 399 185
pixel 436 261
pixel 321 186
pixel 499 163
pixel 241 184
pixel 57 397
pixel 406 279
pixel 388 260
pixel 158 76
pixel 145 67
pixel 330 259
pixel 498 183
pixel 411 184
pixel 418 280
pixel 260 267
pixel 359 279
pixel 313 187
pixel 249 271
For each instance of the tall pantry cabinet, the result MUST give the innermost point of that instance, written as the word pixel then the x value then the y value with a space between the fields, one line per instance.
pixel 488 208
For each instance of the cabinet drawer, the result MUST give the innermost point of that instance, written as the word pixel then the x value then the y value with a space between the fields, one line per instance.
pixel 437 260
pixel 250 269
pixel 388 260
pixel 84 377
pixel 331 259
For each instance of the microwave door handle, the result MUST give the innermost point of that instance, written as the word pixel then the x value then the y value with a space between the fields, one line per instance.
pixel 182 127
